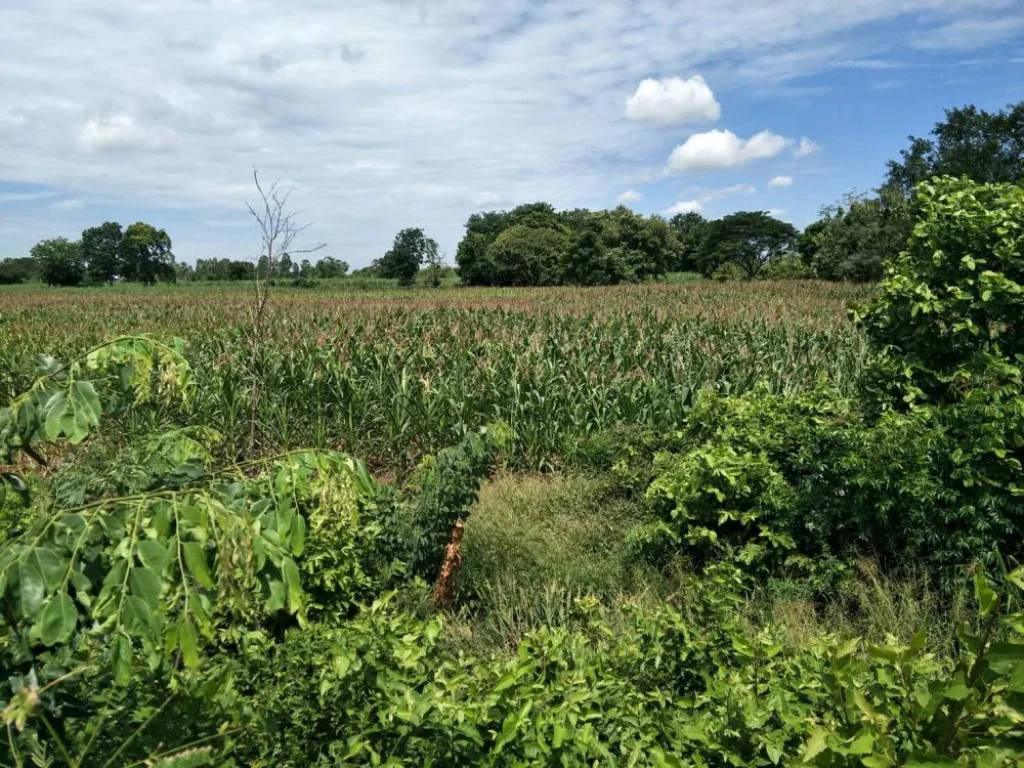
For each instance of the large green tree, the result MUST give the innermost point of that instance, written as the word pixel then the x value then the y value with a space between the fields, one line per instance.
pixel 146 255
pixel 987 147
pixel 525 255
pixel 410 249
pixel 852 241
pixel 102 251
pixel 60 261
pixel 689 229
pixel 18 270
pixel 749 239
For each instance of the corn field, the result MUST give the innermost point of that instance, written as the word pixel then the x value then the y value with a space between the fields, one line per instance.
pixel 393 375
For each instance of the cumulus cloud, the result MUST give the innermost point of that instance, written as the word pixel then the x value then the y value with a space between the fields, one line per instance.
pixel 629 196
pixel 122 132
pixel 718 149
pixel 673 101
pixel 71 204
pixel 359 102
pixel 781 181
pixel 777 212
pixel 806 147
pixel 685 206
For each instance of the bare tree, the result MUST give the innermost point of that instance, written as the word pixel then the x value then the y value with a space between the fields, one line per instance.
pixel 279 229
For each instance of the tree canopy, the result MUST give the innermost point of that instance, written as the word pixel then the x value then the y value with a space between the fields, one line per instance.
pixel 534 244
pixel 749 239
pixel 102 251
pixel 987 147
pixel 60 261
pixel 411 248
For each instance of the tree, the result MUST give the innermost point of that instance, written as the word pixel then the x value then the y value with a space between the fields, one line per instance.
pixel 329 267
pixel 146 255
pixel 525 255
pixel 689 229
pixel 60 261
pixel 951 309
pixel 590 262
pixel 987 147
pixel 852 241
pixel 749 239
pixel 102 251
pixel 284 266
pixel 410 249
pixel 648 246
pixel 19 270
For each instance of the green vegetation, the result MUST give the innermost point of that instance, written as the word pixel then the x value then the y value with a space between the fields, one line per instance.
pixel 765 535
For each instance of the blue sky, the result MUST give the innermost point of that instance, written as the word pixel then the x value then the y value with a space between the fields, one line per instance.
pixel 387 114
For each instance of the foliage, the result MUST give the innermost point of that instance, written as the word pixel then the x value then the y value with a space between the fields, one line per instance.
pixel 727 272
pixel 986 147
pixel 102 250
pixel 853 241
pixel 690 229
pixel 410 249
pixel 146 254
pixel 20 270
pixel 60 261
pixel 948 317
pixel 523 255
pixel 536 245
pixel 749 239
pixel 789 267
pixel 777 482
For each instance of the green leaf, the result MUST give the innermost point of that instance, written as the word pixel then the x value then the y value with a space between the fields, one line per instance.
pixel 146 584
pixel 188 643
pixel 293 587
pixel 153 554
pixel 1016 577
pixel 986 596
pixel 195 560
pixel 57 620
pixel 50 565
pixel 31 589
pixel 121 659
pixel 816 744
pixel 139 619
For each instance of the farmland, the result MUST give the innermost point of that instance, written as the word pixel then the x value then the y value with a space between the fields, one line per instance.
pixel 391 375
pixel 694 523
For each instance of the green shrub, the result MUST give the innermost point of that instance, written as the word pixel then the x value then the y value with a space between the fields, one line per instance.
pixel 728 271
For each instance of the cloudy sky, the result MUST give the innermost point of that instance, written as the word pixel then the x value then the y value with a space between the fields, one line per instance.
pixel 384 114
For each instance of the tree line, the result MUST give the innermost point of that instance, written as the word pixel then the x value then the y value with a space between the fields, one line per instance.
pixel 284 268
pixel 536 245
pixel 106 253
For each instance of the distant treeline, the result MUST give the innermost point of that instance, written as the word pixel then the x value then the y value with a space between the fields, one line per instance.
pixel 535 244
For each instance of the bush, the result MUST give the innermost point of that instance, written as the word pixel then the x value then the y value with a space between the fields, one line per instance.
pixel 787 268
pixel 728 271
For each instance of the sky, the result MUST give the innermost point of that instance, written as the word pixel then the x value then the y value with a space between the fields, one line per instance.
pixel 384 114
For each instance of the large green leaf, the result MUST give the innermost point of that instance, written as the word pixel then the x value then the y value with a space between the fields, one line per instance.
pixel 146 584
pixel 31 589
pixel 57 620
pixel 195 561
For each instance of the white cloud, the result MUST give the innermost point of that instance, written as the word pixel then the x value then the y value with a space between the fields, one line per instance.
pixel 967 34
pixel 687 206
pixel 781 181
pixel 359 102
pixel 629 196
pixel 806 147
pixel 71 204
pixel 673 101
pixel 777 212
pixel 719 149
pixel 122 132
pixel 705 196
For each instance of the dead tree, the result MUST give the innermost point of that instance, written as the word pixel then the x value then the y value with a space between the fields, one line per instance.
pixel 279 229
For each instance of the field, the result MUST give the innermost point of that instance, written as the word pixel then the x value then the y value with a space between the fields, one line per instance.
pixel 390 375
pixel 662 524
